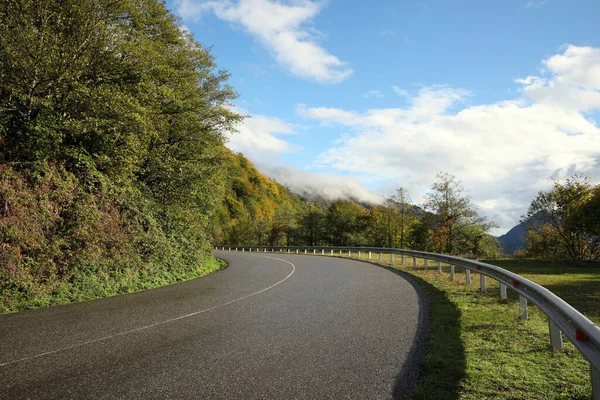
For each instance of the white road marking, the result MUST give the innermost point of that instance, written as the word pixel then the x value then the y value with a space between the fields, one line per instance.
pixel 157 323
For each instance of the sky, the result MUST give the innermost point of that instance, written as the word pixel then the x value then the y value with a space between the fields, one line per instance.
pixel 358 98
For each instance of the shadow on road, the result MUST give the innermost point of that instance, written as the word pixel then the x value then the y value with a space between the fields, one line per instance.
pixel 437 358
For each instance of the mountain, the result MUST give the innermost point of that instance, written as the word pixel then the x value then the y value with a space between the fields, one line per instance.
pixel 514 239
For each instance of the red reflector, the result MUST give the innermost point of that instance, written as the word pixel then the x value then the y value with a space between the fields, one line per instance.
pixel 580 335
pixel 478 267
pixel 515 283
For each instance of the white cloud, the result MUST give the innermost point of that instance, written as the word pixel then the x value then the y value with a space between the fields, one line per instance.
pixel 372 94
pixel 578 66
pixel 282 29
pixel 574 83
pixel 326 186
pixel 256 137
pixel 535 3
pixel 400 92
pixel 503 152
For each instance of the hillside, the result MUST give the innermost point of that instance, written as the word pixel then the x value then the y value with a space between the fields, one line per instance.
pixel 514 239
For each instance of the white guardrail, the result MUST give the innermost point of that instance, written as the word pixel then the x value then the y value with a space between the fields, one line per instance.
pixel 562 317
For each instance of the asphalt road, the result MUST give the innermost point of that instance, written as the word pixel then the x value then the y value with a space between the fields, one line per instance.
pixel 270 326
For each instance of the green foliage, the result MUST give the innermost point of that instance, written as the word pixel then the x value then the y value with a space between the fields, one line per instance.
pixel 456 226
pixel 562 223
pixel 346 223
pixel 112 124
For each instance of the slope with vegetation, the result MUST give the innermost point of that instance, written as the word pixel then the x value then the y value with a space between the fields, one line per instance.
pixel 111 141
pixel 258 211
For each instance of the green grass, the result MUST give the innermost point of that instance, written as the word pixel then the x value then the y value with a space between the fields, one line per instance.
pixel 480 349
pixel 89 285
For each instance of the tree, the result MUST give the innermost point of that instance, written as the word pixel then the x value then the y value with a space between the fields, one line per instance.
pixel 543 242
pixel 112 99
pixel 312 224
pixel 346 223
pixel 568 211
pixel 381 227
pixel 454 216
pixel 402 202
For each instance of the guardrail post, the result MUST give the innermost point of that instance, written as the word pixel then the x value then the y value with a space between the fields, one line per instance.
pixel 451 272
pixel 323 252
pixel 359 254
pixel 503 294
pixel 380 256
pixel 440 267
pixel 297 250
pixel 229 249
pixel 482 286
pixel 426 263
pixel 243 249
pixel 236 249
pixel 555 336
pixel 468 276
pixel 415 262
pixel 402 259
pixel 304 251
pixel 340 253
pixel 331 252
pixel 369 255
pixel 289 251
pixel 349 253
pixel 392 256
pixel 222 248
pixel 595 383
pixel 314 251
pixel 523 307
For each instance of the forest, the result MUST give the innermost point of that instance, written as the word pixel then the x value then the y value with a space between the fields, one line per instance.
pixel 114 174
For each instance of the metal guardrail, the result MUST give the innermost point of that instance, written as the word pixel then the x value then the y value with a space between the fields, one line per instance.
pixel 562 317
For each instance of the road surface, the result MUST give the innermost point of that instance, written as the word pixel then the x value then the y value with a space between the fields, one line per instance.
pixel 270 326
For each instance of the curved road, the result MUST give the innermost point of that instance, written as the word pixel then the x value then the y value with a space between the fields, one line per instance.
pixel 270 326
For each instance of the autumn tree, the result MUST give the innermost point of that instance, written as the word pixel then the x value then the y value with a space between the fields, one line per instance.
pixel 564 216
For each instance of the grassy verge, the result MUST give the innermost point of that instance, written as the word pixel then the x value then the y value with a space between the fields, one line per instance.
pixel 479 349
pixel 90 285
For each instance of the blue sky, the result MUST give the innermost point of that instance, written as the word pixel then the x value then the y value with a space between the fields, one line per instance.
pixel 362 97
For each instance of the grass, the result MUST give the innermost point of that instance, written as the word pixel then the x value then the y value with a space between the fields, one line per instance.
pixel 89 285
pixel 480 349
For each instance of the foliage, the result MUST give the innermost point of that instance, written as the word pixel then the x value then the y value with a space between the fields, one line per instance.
pixel 456 226
pixel 392 222
pixel 112 124
pixel 562 224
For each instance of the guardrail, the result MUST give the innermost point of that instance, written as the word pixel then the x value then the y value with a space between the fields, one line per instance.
pixel 562 317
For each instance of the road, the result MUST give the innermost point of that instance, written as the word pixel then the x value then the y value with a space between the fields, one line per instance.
pixel 270 326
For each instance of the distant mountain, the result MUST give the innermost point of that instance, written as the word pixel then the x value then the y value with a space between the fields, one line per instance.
pixel 514 239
